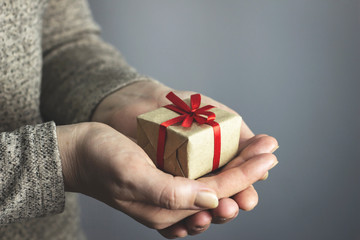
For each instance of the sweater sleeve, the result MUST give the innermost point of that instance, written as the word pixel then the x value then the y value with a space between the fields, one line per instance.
pixel 79 69
pixel 30 173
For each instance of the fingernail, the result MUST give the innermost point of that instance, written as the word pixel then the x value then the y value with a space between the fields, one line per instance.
pixel 274 164
pixel 274 149
pixel 222 219
pixel 206 199
pixel 266 175
pixel 198 229
pixel 218 220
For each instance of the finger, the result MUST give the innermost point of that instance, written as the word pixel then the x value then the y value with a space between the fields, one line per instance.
pixel 257 145
pixel 249 141
pixel 225 212
pixel 262 144
pixel 266 175
pixel 198 223
pixel 234 180
pixel 178 230
pixel 247 199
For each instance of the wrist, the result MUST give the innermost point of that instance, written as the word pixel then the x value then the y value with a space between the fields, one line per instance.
pixel 68 137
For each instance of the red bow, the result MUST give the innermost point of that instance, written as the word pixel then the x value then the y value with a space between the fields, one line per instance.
pixel 188 115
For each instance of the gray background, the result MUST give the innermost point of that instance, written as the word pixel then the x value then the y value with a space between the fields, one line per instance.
pixel 291 69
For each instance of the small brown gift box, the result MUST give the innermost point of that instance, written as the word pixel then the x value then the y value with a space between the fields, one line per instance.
pixel 189 151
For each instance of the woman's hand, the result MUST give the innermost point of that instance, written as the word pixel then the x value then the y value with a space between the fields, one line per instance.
pixel 102 163
pixel 120 110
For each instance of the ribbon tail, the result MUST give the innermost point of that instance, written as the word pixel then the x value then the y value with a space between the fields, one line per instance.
pixel 187 121
pixel 175 109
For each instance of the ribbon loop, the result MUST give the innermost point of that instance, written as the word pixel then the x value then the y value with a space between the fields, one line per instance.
pixel 178 102
pixel 193 112
pixel 195 101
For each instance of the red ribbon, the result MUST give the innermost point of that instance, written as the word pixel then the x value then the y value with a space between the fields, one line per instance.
pixel 188 115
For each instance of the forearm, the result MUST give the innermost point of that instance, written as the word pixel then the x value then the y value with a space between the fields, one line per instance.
pixel 77 79
pixel 79 68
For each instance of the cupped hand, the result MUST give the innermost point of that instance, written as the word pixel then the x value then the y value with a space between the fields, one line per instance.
pixel 120 109
pixel 102 163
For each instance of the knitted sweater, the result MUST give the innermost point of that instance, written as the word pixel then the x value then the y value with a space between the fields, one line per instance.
pixel 54 68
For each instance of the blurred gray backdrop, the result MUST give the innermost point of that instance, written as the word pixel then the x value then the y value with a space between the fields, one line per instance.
pixel 291 69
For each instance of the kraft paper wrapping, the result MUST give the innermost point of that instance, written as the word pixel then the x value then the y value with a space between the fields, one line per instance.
pixel 189 151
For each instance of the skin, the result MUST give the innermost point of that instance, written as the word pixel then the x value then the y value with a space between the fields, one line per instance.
pixel 101 160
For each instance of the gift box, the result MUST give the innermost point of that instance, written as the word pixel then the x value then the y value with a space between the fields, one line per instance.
pixel 189 138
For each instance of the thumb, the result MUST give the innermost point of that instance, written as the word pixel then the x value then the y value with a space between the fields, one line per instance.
pixel 166 191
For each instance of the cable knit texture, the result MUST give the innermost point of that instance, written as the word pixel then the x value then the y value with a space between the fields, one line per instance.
pixel 54 68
